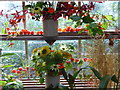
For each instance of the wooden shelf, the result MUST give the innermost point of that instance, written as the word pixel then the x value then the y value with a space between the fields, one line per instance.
pixel 61 36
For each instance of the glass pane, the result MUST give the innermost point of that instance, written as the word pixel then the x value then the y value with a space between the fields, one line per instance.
pixel 17 60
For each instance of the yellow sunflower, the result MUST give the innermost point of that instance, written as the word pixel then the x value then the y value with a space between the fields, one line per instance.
pixel 34 50
pixel 45 51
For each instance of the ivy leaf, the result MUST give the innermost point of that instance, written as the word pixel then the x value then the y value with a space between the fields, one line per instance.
pixel 75 18
pixel 97 74
pixel 114 78
pixel 87 19
pixel 104 82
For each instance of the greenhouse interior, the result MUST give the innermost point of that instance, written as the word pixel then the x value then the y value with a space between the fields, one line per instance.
pixel 59 45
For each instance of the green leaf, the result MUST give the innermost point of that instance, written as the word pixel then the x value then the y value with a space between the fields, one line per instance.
pixel 39 4
pixel 104 25
pixel 109 17
pixel 80 31
pixel 97 74
pixel 27 6
pixel 75 18
pixel 75 74
pixel 71 79
pixel 6 66
pixel 2 83
pixel 87 19
pixel 92 25
pixel 3 31
pixel 104 82
pixel 114 78
pixel 64 74
pixel 41 80
pixel 80 76
pixel 7 54
pixel 6 24
pixel 77 24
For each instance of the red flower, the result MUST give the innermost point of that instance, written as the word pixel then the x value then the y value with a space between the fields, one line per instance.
pixel 72 59
pixel 61 66
pixel 32 69
pixel 51 10
pixel 25 70
pixel 18 72
pixel 77 60
pixel 14 71
pixel 85 59
pixel 20 68
pixel 8 29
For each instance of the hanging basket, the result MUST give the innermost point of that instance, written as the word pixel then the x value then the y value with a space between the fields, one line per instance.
pixel 50 28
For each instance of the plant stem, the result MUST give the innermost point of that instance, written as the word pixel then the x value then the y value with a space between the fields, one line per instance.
pixel 118 79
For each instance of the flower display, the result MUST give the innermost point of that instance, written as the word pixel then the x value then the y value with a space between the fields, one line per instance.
pixel 48 61
pixel 54 10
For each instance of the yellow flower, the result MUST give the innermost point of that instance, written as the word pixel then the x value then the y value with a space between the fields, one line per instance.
pixel 34 50
pixel 38 63
pixel 44 64
pixel 67 55
pixel 38 54
pixel 45 51
pixel 60 52
pixel 37 74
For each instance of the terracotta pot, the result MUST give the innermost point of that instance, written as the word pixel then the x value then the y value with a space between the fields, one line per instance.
pixel 50 28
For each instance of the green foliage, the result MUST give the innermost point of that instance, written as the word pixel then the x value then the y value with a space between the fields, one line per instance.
pixel 41 80
pixel 75 17
pixel 7 54
pixel 6 66
pixel 104 82
pixel 87 19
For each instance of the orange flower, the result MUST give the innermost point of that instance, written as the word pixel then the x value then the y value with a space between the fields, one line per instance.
pixel 51 50
pixel 51 10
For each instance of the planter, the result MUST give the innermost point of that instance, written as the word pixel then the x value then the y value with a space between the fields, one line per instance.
pixel 52 81
pixel 50 28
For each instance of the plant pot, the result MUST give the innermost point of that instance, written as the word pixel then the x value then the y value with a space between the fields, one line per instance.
pixel 52 81
pixel 50 28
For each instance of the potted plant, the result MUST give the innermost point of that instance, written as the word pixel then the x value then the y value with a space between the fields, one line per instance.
pixel 48 64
